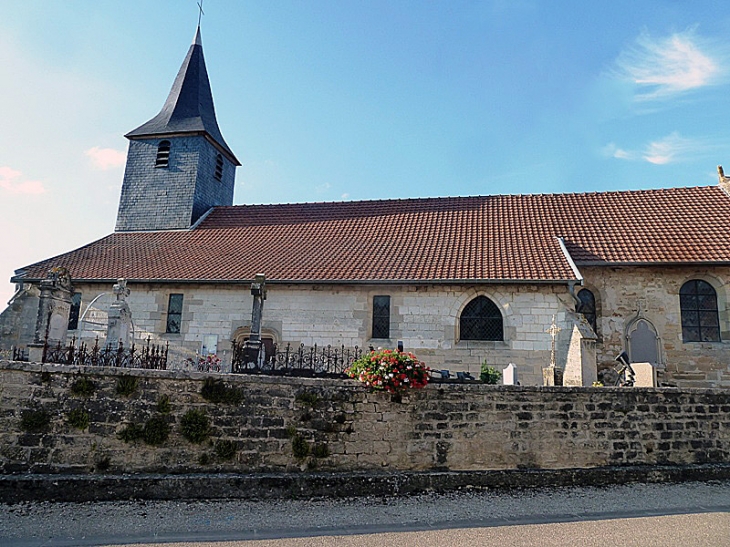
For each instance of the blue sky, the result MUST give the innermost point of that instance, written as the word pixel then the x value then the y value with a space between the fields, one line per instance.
pixel 348 100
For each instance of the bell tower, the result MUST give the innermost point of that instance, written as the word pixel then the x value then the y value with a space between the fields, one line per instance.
pixel 178 164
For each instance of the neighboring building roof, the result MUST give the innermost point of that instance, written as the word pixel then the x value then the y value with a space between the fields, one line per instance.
pixel 189 106
pixel 487 238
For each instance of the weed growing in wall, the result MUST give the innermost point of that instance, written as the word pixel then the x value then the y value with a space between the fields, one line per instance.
pixel 103 464
pixel 83 387
pixel 127 385
pixel 307 398
pixel 78 418
pixel 156 431
pixel 321 451
pixel 215 391
pixel 163 404
pixel 225 450
pixel 204 459
pixel 195 426
pixel 133 432
pixel 35 421
pixel 300 447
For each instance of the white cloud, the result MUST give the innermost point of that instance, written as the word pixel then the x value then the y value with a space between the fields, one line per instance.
pixel 13 181
pixel 613 151
pixel 670 149
pixel 105 158
pixel 346 195
pixel 667 66
pixel 321 188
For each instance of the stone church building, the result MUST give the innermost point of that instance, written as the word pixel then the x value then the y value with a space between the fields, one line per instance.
pixel 459 280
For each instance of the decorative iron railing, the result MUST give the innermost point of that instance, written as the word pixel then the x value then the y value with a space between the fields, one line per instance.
pixel 14 354
pixel 325 361
pixel 150 356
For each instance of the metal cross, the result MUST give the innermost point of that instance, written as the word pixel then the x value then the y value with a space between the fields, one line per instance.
pixel 553 331
pixel 200 7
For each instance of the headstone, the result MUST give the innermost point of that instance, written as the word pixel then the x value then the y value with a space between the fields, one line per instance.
pixel 644 375
pixel 509 375
pixel 54 307
pixel 119 324
pixel 580 362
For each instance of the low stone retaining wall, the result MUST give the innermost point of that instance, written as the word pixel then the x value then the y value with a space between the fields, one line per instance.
pixel 84 420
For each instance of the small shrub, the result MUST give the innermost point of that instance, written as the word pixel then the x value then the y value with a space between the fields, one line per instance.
pixel 83 387
pixel 35 421
pixel 133 432
pixel 45 377
pixel 489 375
pixel 307 398
pixel 300 447
pixel 156 430
pixel 291 431
pixel 225 450
pixel 127 385
pixel 321 451
pixel 195 426
pixel 163 404
pixel 204 459
pixel 215 391
pixel 78 418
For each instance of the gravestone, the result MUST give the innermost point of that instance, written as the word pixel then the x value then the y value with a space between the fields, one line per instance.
pixel 119 324
pixel 509 375
pixel 580 362
pixel 252 347
pixel 644 375
pixel 54 307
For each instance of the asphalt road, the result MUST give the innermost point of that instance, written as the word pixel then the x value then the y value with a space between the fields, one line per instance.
pixel 682 515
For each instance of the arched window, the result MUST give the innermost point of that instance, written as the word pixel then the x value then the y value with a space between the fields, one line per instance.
pixel 587 308
pixel 481 320
pixel 218 167
pixel 163 154
pixel 698 305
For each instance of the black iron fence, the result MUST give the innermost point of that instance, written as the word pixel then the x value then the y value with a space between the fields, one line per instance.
pixel 325 361
pixel 149 356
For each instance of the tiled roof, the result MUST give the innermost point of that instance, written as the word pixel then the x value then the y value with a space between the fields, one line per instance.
pixel 439 239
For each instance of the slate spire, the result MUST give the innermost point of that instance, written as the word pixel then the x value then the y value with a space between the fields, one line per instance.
pixel 189 108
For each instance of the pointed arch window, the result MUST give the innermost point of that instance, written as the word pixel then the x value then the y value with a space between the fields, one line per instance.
pixel 163 154
pixel 587 308
pixel 698 306
pixel 218 167
pixel 481 320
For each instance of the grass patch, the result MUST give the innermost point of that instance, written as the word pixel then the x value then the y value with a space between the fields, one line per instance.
pixel 195 426
pixel 127 385
pixel 83 387
pixel 215 391
pixel 163 404
pixel 35 421
pixel 78 418
pixel 307 398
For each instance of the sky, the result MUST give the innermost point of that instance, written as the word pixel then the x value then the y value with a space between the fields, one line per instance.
pixel 330 100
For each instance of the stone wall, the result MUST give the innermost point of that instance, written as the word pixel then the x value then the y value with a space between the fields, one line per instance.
pixel 283 424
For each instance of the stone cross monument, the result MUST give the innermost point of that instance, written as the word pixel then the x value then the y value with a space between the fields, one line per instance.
pixel 252 347
pixel 551 374
pixel 119 323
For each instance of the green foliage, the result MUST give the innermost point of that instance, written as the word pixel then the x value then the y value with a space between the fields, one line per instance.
pixel 83 387
pixel 300 447
pixel 215 391
pixel 156 431
pixel 597 384
pixel 291 431
pixel 78 418
pixel 204 459
pixel 225 450
pixel 103 464
pixel 195 426
pixel 163 404
pixel 45 377
pixel 133 432
pixel 127 385
pixel 489 375
pixel 321 451
pixel 35 421
pixel 307 398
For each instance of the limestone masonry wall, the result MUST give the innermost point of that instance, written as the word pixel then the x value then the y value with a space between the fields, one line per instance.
pixel 288 424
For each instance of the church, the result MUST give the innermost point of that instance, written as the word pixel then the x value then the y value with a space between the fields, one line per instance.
pixel 459 281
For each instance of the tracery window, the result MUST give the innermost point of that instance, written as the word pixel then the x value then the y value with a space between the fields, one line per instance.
pixel 481 320
pixel 698 306
pixel 587 308
pixel 174 313
pixel 163 154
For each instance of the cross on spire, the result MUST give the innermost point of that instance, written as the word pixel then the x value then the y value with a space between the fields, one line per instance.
pixel 201 12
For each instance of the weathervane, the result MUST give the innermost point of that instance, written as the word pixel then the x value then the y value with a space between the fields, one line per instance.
pixel 201 12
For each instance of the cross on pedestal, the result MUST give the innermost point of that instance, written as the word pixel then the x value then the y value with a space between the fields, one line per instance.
pixel 553 331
